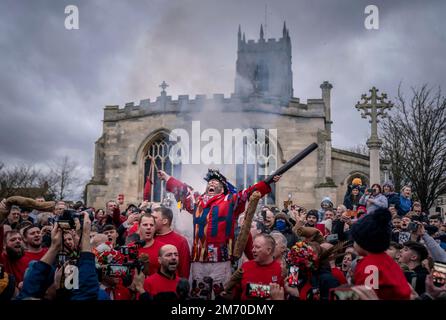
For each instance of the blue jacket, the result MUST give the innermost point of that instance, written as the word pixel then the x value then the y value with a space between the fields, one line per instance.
pixel 405 206
pixel 88 278
pixel 40 276
pixel 393 198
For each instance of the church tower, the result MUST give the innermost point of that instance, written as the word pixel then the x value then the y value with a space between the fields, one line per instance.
pixel 264 66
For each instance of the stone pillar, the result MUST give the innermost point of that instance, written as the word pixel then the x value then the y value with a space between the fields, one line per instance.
pixel 374 107
pixel 326 90
pixel 374 147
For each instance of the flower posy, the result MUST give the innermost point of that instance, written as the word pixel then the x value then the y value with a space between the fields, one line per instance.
pixel 302 255
pixel 105 255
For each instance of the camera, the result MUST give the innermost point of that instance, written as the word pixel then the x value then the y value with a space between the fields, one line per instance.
pixel 131 261
pixel 255 290
pixel 413 226
pixel 117 270
pixel 131 256
pixel 61 259
pixel 66 219
pixel 135 210
pixel 370 190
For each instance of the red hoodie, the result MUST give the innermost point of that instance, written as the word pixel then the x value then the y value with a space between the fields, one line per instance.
pixel 391 280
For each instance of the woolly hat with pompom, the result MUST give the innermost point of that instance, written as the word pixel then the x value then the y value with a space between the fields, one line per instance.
pixel 373 231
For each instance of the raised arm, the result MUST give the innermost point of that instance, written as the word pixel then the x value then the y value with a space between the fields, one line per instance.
pixel 182 191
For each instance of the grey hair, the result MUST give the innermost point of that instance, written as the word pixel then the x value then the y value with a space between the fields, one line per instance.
pixel 279 237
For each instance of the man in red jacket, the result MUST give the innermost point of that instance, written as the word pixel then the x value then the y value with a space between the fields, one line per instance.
pixel 215 213
pixel 163 221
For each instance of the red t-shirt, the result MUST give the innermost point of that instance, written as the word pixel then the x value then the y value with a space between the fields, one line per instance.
pixel 119 292
pixel 392 284
pixel 180 242
pixel 158 283
pixel 152 252
pixel 18 267
pixel 339 275
pixel 30 256
pixel 260 274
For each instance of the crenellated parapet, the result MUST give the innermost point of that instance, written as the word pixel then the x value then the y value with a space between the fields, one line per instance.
pixel 218 103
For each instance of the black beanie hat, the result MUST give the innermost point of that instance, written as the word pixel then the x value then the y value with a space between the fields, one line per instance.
pixel 313 213
pixel 372 232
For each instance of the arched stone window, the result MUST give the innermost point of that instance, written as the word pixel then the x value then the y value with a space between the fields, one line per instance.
pixel 158 150
pixel 266 153
pixel 364 178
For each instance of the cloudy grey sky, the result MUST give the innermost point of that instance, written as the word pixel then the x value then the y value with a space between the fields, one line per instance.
pixel 55 82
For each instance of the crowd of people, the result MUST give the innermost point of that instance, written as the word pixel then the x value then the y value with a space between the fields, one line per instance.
pixel 377 244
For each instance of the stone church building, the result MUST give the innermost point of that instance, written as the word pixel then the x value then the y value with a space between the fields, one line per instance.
pixel 137 135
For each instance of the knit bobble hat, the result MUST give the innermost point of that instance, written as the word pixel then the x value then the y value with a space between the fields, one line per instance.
pixel 357 181
pixel 373 231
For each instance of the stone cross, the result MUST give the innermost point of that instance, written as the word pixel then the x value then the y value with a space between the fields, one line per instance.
pixel 163 86
pixel 374 106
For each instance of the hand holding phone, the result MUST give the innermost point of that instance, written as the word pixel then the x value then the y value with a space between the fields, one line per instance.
pixel 256 290
pixel 439 274
pixel 412 227
pixel 293 277
pixel 332 237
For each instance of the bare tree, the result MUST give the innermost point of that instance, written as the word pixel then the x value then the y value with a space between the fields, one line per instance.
pixel 415 143
pixel 360 149
pixel 21 179
pixel 64 178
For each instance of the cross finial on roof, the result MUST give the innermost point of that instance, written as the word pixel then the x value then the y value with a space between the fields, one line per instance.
pixel 163 85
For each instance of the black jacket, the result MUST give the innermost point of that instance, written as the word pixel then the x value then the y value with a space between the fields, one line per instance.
pixel 417 278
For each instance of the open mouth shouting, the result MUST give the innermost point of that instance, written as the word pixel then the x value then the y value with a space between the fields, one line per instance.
pixel 214 188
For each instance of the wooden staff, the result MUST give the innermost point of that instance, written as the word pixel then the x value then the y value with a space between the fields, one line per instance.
pixel 291 163
pixel 242 238
pixel 235 279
